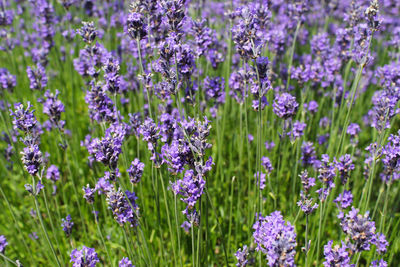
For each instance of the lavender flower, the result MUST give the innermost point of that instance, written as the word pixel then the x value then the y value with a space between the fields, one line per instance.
pixel 37 77
pixel 67 224
pixel 276 239
pixel 53 108
pixel 344 200
pixel 269 145
pixel 336 256
pixel 326 176
pixel 237 85
pixel 372 14
pixel 3 243
pixel 125 262
pixel 381 243
pixel 84 257
pixel 101 107
pixel 191 188
pixel 24 119
pixel 7 80
pixel 306 203
pixel 125 209
pixel 243 257
pixel 88 194
pixel 108 149
pixel 88 32
pixel 136 28
pixel 135 171
pixel 260 177
pixel 266 163
pixel 344 166
pixel 361 232
pixel 297 130
pixel 308 155
pixel 353 129
pixel 32 158
pixel 312 106
pixel 379 263
pixel 285 106
pixel 53 173
pixel 391 159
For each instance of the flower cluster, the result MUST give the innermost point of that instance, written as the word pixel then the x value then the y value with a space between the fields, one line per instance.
pixel 276 239
pixel 123 207
pixel 84 257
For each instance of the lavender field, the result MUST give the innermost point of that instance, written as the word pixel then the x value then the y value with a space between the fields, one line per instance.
pixel 199 133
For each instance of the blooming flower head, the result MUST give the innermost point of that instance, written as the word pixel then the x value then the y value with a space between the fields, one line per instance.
pixel 89 194
pixel 67 224
pixel 7 80
pixel 308 154
pixel 32 158
pixel 84 257
pixel 243 257
pixel 266 163
pixel 88 32
pixel 24 119
pixel 297 130
pixel 53 107
pixel 360 231
pixel 136 28
pixel 108 149
pixel 53 173
pixel 37 77
pixel 336 256
pixel 344 165
pixel 3 243
pixel 344 200
pixel 135 171
pixel 276 239
pixel 124 208
pixel 353 129
pixel 260 177
pixel 190 188
pixel 285 106
pixel 379 263
pixel 125 262
pixel 391 158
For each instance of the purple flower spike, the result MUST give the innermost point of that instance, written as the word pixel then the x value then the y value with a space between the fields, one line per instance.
pixel 84 257
pixel 67 224
pixel 285 106
pixel 243 257
pixel 53 173
pixel 3 243
pixel 53 107
pixel 276 239
pixel 24 119
pixel 32 158
pixel 135 171
pixel 37 77
pixel 88 32
pixel 344 200
pixel 125 262
pixel 336 256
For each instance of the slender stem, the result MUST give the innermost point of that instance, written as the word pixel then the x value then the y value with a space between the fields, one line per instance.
pixel 177 230
pixel 8 259
pixel 192 237
pixel 44 228
pixel 219 226
pixel 292 53
pixel 15 221
pixel 306 240
pixel 101 235
pixel 168 216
